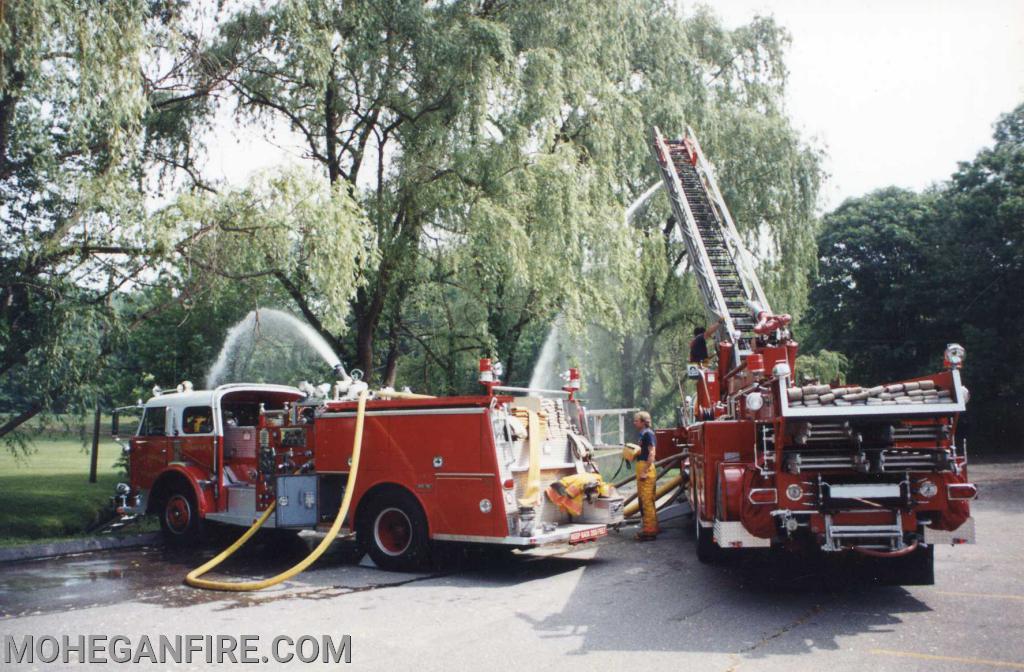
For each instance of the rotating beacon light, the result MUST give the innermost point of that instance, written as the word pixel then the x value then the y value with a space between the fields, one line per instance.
pixel 490 374
pixel 572 381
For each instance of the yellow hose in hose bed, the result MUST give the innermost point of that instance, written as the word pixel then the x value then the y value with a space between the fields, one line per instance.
pixel 391 394
pixel 531 493
pixel 193 579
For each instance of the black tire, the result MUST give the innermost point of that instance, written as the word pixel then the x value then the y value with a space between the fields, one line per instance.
pixel 180 522
pixel 393 530
pixel 915 569
pixel 707 549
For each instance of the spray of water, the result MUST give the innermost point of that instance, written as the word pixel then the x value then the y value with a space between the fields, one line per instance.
pixel 545 370
pixel 643 198
pixel 265 321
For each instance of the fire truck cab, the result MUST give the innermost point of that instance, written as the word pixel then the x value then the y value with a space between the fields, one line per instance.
pixel 192 446
pixel 432 469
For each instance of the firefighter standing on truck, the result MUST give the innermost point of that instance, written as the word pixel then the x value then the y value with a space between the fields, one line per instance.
pixel 646 477
pixel 699 353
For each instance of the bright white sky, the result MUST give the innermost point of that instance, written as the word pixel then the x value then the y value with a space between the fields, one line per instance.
pixel 896 91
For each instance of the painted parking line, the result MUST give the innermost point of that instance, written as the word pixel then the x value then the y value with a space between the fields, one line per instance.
pixel 991 596
pixel 950 659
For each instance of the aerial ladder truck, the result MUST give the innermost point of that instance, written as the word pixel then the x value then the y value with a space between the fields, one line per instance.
pixel 773 464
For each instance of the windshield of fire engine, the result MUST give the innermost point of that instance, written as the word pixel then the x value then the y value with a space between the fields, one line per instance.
pixel 197 420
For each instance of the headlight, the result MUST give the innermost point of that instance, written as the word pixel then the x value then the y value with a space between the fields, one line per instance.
pixel 795 492
pixel 927 489
pixel 755 401
pixel 485 505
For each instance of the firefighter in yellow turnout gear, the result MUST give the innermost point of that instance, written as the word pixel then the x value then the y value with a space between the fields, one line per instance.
pixel 646 477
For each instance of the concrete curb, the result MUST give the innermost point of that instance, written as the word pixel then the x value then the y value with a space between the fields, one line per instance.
pixel 83 545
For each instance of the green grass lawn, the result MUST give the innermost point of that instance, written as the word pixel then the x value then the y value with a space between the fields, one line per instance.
pixel 47 494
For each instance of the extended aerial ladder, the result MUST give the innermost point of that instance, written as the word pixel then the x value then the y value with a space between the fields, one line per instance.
pixel 725 274
pixel 772 464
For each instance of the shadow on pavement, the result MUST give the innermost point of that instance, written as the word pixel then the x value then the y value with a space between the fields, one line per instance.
pixel 746 608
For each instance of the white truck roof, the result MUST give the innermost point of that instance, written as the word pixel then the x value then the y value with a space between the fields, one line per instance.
pixel 208 397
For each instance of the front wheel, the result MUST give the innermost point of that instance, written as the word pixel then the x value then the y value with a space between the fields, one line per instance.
pixel 179 517
pixel 393 530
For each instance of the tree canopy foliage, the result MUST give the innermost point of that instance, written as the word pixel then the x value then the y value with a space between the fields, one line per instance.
pixel 465 173
pixel 902 274
pixel 71 108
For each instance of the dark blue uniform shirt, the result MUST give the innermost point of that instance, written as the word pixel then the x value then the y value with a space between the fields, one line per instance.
pixel 647 443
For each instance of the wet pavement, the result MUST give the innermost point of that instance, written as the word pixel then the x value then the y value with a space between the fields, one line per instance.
pixel 615 605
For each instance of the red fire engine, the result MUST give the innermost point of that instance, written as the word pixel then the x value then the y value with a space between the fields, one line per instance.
pixel 842 468
pixel 468 469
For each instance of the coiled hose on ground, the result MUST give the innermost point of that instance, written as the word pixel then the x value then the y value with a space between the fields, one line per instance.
pixel 193 577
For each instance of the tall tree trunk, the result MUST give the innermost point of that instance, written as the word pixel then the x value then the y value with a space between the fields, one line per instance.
pixel 94 456
pixel 391 362
pixel 330 129
pixel 366 328
pixel 645 371
pixel 628 381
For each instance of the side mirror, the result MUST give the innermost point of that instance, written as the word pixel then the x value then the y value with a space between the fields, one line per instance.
pixel 115 420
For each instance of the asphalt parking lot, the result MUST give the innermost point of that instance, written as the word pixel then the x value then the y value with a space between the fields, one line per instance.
pixel 617 605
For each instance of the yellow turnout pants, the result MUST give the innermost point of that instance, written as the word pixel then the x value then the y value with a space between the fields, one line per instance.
pixel 645 493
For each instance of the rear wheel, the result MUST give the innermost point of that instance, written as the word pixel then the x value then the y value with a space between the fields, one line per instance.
pixel 707 549
pixel 393 530
pixel 179 517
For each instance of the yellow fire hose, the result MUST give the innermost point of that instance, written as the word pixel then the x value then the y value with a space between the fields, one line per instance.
pixel 667 465
pixel 392 394
pixel 532 490
pixel 673 482
pixel 193 579
pixel 660 464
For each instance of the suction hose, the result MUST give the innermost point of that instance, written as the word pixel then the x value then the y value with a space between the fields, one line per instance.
pixel 906 550
pixel 193 579
pixel 663 489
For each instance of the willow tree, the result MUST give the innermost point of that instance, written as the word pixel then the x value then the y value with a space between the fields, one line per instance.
pixel 493 146
pixel 600 90
pixel 729 86
pixel 534 227
pixel 71 108
pixel 266 234
pixel 378 92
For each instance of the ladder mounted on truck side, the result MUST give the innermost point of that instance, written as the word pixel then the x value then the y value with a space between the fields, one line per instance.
pixel 724 270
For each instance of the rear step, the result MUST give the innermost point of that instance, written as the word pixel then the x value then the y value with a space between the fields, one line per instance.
pixel 874 537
